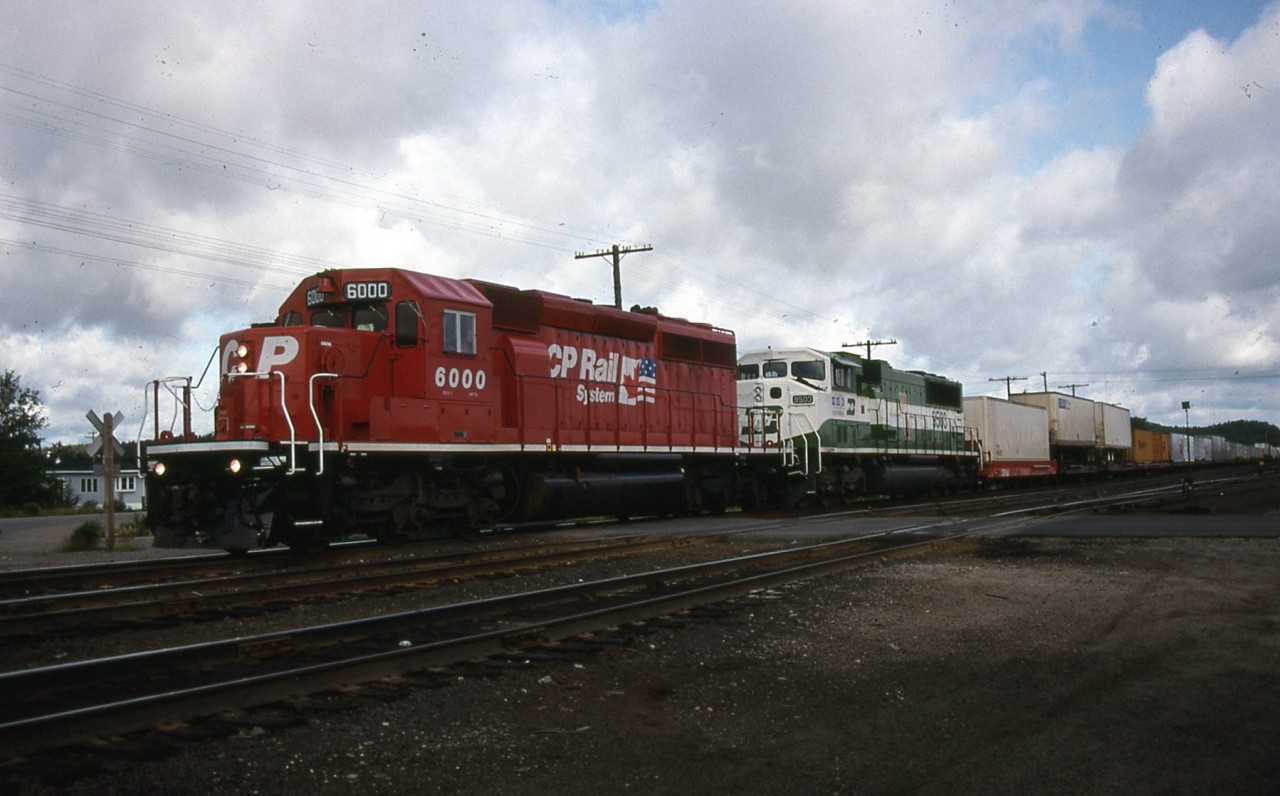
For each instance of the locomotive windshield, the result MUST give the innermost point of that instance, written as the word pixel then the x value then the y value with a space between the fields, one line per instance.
pixel 775 369
pixel 748 372
pixel 809 370
pixel 369 318
pixel 327 317
pixel 364 317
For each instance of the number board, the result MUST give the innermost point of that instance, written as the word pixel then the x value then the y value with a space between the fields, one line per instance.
pixel 366 291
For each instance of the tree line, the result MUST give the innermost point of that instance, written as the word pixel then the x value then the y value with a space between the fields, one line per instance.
pixel 1244 432
pixel 24 482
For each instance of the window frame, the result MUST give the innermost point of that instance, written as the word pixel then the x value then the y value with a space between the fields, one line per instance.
pixel 459 332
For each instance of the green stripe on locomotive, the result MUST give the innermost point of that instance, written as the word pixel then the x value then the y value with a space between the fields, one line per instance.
pixel 854 435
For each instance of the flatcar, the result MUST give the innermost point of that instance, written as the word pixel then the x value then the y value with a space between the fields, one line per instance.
pixel 407 406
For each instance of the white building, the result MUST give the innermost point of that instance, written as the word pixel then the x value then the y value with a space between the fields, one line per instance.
pixel 86 485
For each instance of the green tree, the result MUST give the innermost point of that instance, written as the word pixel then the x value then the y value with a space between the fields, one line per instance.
pixel 22 478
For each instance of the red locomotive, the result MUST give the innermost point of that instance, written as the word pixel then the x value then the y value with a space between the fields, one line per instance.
pixel 409 406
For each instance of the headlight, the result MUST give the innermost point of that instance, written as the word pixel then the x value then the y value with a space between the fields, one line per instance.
pixel 234 466
pixel 243 367
pixel 159 468
pixel 242 351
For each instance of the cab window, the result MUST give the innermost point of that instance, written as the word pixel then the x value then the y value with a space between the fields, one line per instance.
pixel 775 369
pixel 293 318
pixel 326 316
pixel 369 318
pixel 810 370
pixel 844 377
pixel 459 332
pixel 407 317
pixel 746 372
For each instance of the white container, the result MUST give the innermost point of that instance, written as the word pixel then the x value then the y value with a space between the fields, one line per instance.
pixel 1071 419
pixel 1008 431
pixel 1180 446
pixel 1113 426
pixel 1202 449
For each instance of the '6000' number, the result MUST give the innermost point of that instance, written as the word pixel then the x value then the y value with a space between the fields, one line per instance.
pixel 453 378
pixel 366 291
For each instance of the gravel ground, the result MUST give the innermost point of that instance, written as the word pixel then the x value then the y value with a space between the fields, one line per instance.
pixel 1012 665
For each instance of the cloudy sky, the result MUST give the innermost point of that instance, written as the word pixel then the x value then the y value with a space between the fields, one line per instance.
pixel 1084 189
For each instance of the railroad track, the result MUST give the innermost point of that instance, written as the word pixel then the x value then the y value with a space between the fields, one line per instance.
pixel 34 581
pixel 84 601
pixel 101 610
pixel 54 706
pixel 69 703
pixel 1136 489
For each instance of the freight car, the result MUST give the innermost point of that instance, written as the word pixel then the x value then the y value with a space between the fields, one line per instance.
pixel 1012 437
pixel 835 426
pixel 410 406
pixel 1065 435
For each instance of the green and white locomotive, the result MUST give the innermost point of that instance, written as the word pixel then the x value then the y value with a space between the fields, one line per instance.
pixel 836 426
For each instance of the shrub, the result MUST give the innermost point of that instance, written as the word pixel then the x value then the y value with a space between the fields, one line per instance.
pixel 84 537
pixel 135 527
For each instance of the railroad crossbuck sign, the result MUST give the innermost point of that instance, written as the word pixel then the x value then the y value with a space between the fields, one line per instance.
pixel 96 446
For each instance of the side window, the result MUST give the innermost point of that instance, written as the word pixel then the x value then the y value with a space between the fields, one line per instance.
pixel 292 319
pixel 407 317
pixel 459 332
pixel 844 377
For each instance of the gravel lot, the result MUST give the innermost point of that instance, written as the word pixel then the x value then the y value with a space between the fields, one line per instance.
pixel 1012 665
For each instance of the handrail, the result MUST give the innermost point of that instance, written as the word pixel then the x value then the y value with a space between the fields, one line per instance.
pixel 284 410
pixel 804 435
pixel 293 436
pixel 311 400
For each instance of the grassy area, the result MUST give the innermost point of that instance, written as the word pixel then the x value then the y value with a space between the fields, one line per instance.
pixel 90 535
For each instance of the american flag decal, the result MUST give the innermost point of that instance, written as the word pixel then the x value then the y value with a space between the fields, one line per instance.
pixel 639 381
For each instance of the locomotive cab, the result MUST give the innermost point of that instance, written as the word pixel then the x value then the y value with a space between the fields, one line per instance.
pixel 354 358
pixel 411 364
pixel 778 389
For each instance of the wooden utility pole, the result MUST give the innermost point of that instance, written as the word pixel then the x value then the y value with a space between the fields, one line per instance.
pixel 1071 387
pixel 868 344
pixel 1008 383
pixel 616 252
pixel 106 443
